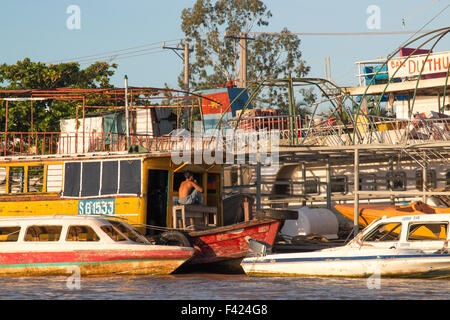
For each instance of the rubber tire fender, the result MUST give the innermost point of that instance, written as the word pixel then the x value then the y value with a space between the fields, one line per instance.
pixel 174 238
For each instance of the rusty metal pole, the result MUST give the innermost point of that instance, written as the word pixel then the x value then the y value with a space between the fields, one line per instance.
pixel 258 179
pixel 328 173
pixel 6 126
pixel 84 129
pixel 76 133
pixel 424 179
pixel 293 137
pixel 303 184
pixel 356 193
pixel 31 104
pixel 31 134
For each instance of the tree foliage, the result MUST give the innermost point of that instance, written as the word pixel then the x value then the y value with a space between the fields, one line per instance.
pixel 37 75
pixel 213 28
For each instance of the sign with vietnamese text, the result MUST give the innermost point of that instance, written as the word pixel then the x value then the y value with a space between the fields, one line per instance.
pixel 435 63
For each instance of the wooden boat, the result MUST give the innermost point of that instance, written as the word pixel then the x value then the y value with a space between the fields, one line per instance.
pixel 223 248
pixel 58 245
pixel 369 213
pixel 376 251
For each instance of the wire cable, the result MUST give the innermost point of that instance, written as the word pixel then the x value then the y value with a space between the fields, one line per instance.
pixel 113 53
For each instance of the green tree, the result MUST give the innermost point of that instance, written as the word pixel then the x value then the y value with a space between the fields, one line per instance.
pixel 216 55
pixel 27 75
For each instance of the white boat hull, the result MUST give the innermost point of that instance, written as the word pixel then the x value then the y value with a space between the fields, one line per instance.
pixel 387 265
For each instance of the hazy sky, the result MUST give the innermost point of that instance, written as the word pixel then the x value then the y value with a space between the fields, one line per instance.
pixel 38 30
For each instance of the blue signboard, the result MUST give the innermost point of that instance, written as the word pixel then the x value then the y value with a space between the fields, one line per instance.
pixel 97 206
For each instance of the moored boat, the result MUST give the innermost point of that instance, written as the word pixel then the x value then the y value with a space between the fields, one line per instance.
pixel 223 248
pixel 60 244
pixel 369 213
pixel 377 250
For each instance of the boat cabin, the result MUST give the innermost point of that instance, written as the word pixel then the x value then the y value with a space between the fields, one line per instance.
pixel 141 187
pixel 81 245
pixel 424 232
pixel 67 229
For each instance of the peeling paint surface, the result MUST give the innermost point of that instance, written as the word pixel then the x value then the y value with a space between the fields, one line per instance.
pixel 230 242
pixel 92 262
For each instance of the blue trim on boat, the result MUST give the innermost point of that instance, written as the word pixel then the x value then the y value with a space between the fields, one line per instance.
pixel 315 259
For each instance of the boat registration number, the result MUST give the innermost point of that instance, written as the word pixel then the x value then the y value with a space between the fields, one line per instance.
pixel 96 206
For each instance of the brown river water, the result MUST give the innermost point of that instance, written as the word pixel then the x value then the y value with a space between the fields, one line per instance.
pixel 223 287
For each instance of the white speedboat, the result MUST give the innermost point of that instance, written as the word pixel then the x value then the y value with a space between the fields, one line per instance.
pixel 55 245
pixel 410 246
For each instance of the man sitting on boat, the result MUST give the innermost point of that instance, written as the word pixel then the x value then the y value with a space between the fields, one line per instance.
pixel 190 192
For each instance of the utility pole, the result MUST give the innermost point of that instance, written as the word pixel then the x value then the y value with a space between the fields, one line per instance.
pixel 185 113
pixel 185 59
pixel 127 126
pixel 186 67
pixel 243 60
pixel 243 37
pixel 327 68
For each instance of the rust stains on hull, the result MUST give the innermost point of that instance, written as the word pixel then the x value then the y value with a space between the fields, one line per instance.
pixel 157 267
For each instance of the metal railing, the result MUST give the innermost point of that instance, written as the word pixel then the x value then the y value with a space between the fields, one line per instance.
pixel 365 129
pixel 47 143
pixel 290 128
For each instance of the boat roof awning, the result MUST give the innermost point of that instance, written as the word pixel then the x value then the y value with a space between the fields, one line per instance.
pixel 424 87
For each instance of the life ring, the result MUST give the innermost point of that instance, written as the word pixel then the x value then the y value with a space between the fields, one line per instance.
pixel 174 238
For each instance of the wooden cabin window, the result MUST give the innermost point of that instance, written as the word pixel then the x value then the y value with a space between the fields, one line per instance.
pixel 385 232
pixel 427 231
pixel 396 181
pixel 2 180
pixel 16 179
pixel 130 177
pixel 110 177
pixel 94 178
pixel 339 184
pixel 43 233
pixel 81 233
pixel 35 179
pixel 113 233
pixel 431 179
pixel 90 179
pixel 72 172
pixel 9 234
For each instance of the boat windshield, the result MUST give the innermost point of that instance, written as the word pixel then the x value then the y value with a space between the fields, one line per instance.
pixel 129 232
pixel 385 232
pixel 113 233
